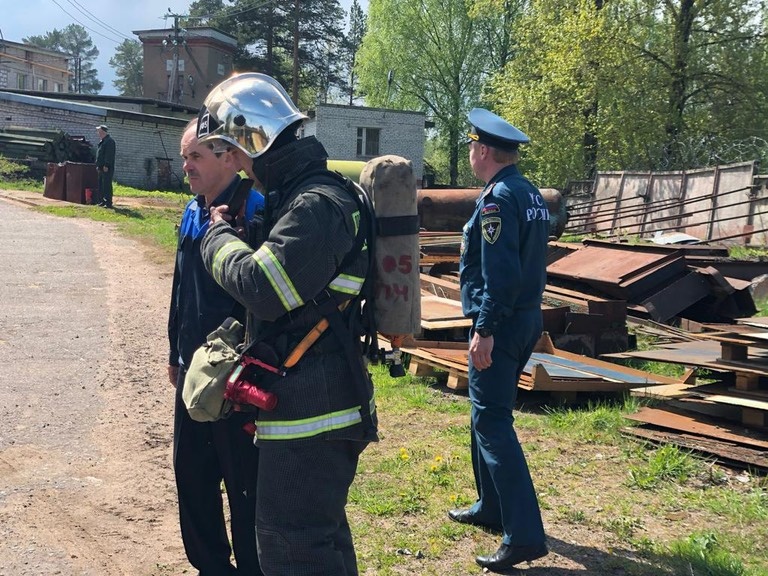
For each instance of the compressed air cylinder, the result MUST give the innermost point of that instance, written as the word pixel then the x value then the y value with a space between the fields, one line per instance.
pixel 390 183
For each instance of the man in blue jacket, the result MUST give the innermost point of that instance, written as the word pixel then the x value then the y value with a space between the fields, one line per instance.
pixel 205 453
pixel 502 276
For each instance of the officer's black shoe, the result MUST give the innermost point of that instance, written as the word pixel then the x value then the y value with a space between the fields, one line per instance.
pixel 507 557
pixel 467 517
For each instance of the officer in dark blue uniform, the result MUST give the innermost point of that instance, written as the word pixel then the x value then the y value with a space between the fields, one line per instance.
pixel 503 274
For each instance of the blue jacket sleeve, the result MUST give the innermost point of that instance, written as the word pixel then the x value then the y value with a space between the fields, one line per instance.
pixel 501 265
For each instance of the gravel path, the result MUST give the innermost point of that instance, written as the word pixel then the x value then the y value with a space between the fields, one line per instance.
pixel 86 482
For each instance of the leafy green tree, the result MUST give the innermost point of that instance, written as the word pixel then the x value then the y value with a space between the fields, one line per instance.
pixel 128 63
pixel 424 56
pixel 710 57
pixel 74 40
pixel 634 84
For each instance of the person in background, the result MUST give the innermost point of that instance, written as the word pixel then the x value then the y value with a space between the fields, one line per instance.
pixel 502 277
pixel 205 453
pixel 105 165
pixel 306 264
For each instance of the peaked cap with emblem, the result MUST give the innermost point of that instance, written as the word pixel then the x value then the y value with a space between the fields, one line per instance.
pixel 492 130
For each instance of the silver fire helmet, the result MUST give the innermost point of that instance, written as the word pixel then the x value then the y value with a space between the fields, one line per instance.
pixel 247 110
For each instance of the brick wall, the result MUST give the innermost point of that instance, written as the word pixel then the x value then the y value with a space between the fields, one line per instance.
pixel 401 133
pixel 140 139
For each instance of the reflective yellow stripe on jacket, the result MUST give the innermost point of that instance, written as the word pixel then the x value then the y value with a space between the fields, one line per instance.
pixel 307 427
pixel 347 284
pixel 278 278
pixel 221 255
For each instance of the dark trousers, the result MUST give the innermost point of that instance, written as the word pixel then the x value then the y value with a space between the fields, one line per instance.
pixel 105 187
pixel 506 495
pixel 204 454
pixel 301 523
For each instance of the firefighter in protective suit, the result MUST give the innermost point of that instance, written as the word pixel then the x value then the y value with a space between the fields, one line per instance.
pixel 303 263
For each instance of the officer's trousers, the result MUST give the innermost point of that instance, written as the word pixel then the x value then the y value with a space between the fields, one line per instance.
pixel 105 186
pixel 204 453
pixel 506 496
pixel 301 522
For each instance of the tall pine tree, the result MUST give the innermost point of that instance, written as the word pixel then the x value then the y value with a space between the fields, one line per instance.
pixel 74 40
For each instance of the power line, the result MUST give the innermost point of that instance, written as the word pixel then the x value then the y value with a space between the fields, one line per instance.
pixel 95 19
pixel 85 26
pixel 225 11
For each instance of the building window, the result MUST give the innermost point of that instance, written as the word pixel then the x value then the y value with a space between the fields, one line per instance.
pixel 42 84
pixel 58 87
pixel 368 141
pixel 21 81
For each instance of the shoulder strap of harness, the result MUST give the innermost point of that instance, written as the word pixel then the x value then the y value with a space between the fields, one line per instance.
pixel 326 304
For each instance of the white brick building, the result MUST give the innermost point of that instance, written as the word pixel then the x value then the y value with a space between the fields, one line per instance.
pixel 147 144
pixel 361 133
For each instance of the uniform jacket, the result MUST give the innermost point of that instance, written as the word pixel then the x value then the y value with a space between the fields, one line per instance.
pixel 503 250
pixel 313 229
pixel 105 153
pixel 198 304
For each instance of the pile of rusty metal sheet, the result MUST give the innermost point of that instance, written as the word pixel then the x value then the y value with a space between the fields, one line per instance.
pixel 561 373
pixel 729 444
pixel 591 328
pixel 655 281
pixel 736 360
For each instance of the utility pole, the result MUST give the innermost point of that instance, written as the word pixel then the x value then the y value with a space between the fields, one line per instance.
pixel 174 94
pixel 78 74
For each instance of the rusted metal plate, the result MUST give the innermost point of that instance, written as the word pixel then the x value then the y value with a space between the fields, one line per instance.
pixel 725 452
pixel 673 419
pixel 619 271
pixel 673 298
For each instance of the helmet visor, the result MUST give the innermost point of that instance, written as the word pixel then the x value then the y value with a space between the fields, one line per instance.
pixel 248 111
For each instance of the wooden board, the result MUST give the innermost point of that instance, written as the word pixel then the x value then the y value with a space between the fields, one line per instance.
pixel 547 370
pixel 442 313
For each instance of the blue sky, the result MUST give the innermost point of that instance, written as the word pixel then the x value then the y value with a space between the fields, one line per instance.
pixel 109 22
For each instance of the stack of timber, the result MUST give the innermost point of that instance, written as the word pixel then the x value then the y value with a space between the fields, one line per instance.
pixel 44 145
pixel 562 374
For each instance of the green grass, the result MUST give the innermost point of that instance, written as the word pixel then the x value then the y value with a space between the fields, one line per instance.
pixel 645 510
pixel 762 307
pixel 155 227
pixel 588 477
pixel 747 252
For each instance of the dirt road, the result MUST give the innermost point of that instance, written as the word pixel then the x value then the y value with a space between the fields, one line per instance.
pixel 86 481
